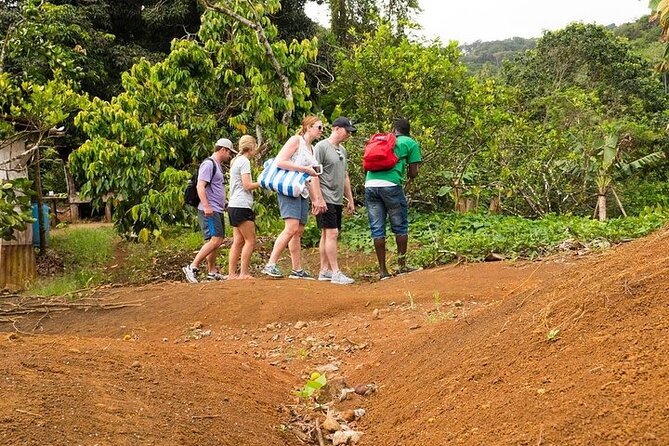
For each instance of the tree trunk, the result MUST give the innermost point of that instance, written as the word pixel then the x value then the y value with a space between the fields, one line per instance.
pixel 495 205
pixel 460 202
pixel 339 20
pixel 601 204
pixel 108 211
pixel 72 195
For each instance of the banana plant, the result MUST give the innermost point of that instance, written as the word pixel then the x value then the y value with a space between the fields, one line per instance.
pixel 611 165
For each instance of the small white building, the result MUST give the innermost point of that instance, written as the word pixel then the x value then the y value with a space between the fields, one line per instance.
pixel 17 257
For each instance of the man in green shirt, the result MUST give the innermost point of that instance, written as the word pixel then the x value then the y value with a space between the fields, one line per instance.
pixel 385 199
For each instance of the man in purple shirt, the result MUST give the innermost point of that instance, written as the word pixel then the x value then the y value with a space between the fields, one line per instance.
pixel 211 190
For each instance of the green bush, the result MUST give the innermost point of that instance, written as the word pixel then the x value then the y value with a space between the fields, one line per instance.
pixel 638 195
pixel 440 237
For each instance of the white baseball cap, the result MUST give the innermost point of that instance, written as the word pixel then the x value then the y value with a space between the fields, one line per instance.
pixel 225 142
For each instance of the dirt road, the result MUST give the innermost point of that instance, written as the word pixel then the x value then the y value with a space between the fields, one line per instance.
pixel 564 351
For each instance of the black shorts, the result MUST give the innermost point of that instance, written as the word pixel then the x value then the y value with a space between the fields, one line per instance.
pixel 330 219
pixel 238 216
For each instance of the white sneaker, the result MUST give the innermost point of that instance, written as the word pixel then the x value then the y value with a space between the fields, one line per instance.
pixel 190 274
pixel 325 276
pixel 340 279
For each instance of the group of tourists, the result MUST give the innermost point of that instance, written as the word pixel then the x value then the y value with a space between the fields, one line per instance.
pixel 327 194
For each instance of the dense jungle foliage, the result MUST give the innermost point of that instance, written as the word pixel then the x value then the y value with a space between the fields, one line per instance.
pixel 571 123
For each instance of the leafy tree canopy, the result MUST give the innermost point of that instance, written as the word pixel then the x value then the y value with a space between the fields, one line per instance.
pixel 40 76
pixel 452 115
pixel 592 58
pixel 169 114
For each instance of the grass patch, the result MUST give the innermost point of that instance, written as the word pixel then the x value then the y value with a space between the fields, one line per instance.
pixel 162 259
pixel 86 253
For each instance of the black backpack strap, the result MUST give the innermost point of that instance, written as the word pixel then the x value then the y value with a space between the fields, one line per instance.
pixel 213 171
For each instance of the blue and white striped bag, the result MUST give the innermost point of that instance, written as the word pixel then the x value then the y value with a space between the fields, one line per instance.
pixel 286 182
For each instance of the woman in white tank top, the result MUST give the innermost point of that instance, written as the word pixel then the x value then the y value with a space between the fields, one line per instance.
pixel 297 154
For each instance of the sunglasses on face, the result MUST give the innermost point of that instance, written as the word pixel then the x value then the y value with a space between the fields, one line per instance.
pixel 319 127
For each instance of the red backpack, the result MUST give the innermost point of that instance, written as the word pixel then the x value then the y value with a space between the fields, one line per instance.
pixel 379 153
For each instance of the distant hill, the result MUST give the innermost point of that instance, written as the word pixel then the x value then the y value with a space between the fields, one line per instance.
pixel 642 35
pixel 491 54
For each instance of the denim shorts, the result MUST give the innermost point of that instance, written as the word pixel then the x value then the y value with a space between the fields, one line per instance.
pixel 211 226
pixel 294 207
pixel 388 202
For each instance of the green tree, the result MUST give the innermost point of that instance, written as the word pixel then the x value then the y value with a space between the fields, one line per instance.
pixel 349 18
pixel 292 22
pixel 611 165
pixel 453 115
pixel 660 14
pixel 237 78
pixel 43 94
pixel 576 85
pixel 592 58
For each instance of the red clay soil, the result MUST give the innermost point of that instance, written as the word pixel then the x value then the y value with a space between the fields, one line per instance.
pixel 564 351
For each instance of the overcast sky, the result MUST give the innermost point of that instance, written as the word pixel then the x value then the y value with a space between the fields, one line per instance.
pixel 468 20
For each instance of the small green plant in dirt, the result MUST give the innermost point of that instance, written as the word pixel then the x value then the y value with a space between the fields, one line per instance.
pixel 300 354
pixel 436 314
pixel 313 385
pixel 436 297
pixel 553 335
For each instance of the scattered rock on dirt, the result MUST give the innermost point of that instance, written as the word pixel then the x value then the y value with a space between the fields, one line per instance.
pixel 330 424
pixel 366 389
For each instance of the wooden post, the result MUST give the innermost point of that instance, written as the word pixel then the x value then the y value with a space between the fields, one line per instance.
pixel 108 211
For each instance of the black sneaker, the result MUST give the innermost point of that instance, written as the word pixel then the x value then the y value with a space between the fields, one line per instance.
pixel 384 276
pixel 301 274
pixel 407 269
